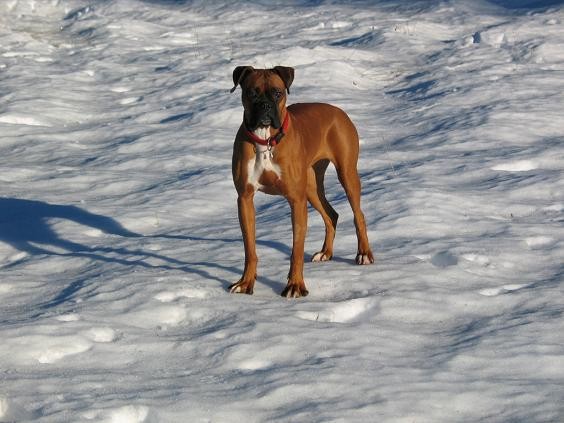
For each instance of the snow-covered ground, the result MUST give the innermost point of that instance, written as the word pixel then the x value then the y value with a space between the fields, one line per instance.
pixel 119 232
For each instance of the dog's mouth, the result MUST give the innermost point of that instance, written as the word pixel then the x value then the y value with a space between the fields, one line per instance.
pixel 269 119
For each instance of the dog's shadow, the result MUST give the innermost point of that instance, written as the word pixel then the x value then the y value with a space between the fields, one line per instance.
pixel 27 226
pixel 24 224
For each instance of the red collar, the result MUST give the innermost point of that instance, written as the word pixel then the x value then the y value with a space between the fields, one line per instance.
pixel 274 140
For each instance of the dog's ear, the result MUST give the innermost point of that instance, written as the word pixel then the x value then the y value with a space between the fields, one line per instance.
pixel 287 75
pixel 239 75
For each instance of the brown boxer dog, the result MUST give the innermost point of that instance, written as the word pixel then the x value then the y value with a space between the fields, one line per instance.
pixel 286 151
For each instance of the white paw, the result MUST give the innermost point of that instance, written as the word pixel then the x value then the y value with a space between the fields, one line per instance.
pixel 236 289
pixel 364 259
pixel 320 256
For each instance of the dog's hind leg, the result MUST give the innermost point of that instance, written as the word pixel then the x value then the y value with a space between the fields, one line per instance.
pixel 348 176
pixel 316 197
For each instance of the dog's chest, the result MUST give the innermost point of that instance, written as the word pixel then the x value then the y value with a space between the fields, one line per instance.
pixel 263 173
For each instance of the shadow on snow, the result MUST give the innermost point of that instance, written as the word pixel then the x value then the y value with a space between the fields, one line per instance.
pixel 26 225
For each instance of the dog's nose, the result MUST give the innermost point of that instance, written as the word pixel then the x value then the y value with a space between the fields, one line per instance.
pixel 265 107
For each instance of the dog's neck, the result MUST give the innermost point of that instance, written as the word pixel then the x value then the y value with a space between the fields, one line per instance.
pixel 262 135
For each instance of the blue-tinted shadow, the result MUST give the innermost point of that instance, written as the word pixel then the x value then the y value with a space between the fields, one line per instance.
pixel 26 225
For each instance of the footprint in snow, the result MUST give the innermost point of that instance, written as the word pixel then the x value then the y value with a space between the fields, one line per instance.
pixel 342 312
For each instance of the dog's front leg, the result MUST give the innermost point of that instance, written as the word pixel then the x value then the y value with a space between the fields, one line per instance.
pixel 246 208
pixel 296 285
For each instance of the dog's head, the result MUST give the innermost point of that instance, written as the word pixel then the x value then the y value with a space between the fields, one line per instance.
pixel 264 94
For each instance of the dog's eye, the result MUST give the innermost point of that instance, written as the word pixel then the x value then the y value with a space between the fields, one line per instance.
pixel 276 94
pixel 252 94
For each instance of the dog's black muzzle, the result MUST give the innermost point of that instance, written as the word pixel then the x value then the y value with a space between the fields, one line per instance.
pixel 264 112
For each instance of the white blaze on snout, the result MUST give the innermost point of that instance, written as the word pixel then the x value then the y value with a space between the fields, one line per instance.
pixel 262 161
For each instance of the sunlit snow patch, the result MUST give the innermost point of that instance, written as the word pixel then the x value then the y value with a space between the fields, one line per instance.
pixel 539 242
pixel 14 119
pixel 343 312
pixel 517 166
pixel 492 292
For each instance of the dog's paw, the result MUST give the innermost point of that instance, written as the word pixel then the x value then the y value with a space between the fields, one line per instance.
pixel 321 256
pixel 365 258
pixel 295 290
pixel 242 287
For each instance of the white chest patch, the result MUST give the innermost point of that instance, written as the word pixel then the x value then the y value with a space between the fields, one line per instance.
pixel 262 162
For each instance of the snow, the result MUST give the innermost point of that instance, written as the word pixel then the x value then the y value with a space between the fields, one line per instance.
pixel 119 232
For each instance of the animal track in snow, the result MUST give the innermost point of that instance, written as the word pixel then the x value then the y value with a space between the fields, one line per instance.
pixel 517 166
pixel 492 292
pixel 342 312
